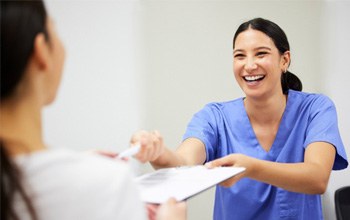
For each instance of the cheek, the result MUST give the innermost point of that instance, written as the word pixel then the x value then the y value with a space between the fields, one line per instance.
pixel 269 64
pixel 61 52
pixel 237 68
pixel 264 62
pixel 59 62
pixel 59 59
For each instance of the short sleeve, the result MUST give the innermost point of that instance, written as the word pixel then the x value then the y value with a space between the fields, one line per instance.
pixel 323 126
pixel 203 126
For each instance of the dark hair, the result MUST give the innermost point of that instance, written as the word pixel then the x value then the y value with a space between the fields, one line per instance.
pixel 288 79
pixel 21 22
pixel 10 184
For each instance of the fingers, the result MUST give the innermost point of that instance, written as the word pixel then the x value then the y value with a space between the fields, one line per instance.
pixel 152 210
pixel 224 161
pixel 137 137
pixel 171 201
pixel 151 145
pixel 236 160
pixel 231 181
pixel 172 210
pixel 157 141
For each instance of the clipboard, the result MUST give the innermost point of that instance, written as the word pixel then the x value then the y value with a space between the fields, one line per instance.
pixel 181 183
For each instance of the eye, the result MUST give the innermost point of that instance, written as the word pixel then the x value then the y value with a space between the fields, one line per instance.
pixel 238 56
pixel 261 53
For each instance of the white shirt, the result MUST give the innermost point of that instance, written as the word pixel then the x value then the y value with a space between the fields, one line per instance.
pixel 64 185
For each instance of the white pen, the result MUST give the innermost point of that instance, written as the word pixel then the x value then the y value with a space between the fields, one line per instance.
pixel 131 151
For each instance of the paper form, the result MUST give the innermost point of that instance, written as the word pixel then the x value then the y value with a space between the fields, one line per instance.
pixel 181 182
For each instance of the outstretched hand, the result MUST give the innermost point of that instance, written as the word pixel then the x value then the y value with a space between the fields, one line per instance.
pixel 151 145
pixel 235 160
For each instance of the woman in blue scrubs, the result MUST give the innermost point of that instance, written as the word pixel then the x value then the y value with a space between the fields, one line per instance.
pixel 287 140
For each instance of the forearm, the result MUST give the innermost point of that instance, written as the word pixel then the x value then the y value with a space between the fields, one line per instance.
pixel 310 176
pixel 168 158
pixel 190 152
pixel 296 177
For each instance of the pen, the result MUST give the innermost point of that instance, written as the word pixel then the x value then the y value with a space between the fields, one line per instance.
pixel 131 151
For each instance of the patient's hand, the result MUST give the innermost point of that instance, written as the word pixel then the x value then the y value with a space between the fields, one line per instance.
pixel 172 210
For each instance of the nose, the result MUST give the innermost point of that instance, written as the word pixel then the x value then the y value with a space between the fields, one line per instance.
pixel 250 65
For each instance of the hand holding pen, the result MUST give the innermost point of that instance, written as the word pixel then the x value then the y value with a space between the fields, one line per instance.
pixel 131 151
pixel 151 145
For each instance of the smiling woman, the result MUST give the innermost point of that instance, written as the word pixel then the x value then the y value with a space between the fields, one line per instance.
pixel 264 45
pixel 287 140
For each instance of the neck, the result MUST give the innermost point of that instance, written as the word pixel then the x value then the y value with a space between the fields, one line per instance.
pixel 267 111
pixel 21 130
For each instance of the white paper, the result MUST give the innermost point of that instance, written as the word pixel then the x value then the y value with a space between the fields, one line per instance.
pixel 181 183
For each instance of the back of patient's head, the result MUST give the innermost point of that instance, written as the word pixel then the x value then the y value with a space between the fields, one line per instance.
pixel 21 21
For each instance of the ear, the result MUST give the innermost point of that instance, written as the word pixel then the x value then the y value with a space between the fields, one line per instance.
pixel 285 60
pixel 41 52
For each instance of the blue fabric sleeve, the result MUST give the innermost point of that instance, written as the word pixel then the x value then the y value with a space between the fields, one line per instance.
pixel 323 126
pixel 203 127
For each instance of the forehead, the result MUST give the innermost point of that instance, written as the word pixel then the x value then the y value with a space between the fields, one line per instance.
pixel 251 38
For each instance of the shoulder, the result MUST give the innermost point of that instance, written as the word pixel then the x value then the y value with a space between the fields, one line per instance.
pixel 224 104
pixel 70 164
pixel 61 179
pixel 215 111
pixel 310 100
pixel 232 105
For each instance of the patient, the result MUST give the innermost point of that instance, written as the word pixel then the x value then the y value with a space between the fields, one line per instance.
pixel 36 182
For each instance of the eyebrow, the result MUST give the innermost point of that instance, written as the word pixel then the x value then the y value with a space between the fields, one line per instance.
pixel 258 48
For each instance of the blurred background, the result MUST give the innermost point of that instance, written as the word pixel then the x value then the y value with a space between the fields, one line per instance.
pixel 152 64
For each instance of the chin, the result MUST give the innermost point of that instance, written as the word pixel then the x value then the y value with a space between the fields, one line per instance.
pixel 255 94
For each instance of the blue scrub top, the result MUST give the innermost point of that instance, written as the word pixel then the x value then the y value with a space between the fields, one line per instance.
pixel 225 128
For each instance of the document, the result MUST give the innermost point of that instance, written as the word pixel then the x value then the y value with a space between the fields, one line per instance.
pixel 181 183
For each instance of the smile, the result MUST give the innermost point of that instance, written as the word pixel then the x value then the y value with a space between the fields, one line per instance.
pixel 253 78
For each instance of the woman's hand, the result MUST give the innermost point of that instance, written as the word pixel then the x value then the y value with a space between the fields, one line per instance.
pixel 172 210
pixel 235 160
pixel 152 210
pixel 151 145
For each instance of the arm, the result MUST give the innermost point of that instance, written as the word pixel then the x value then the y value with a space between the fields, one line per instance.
pixel 310 176
pixel 190 152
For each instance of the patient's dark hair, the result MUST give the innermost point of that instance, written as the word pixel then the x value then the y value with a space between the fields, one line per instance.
pixel 21 22
pixel 288 79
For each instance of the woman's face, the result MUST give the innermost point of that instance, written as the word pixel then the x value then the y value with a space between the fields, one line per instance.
pixel 57 55
pixel 258 65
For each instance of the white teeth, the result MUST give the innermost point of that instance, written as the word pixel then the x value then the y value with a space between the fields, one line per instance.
pixel 252 78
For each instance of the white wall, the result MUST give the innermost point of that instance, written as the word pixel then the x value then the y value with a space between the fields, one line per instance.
pixel 98 103
pixel 335 62
pixel 152 64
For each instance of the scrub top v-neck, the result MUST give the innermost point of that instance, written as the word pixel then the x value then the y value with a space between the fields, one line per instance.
pixel 278 141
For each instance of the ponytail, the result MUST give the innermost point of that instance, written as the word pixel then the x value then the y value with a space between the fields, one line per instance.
pixel 290 81
pixel 11 184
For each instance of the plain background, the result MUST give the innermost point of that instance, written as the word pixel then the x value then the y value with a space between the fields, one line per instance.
pixel 152 64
